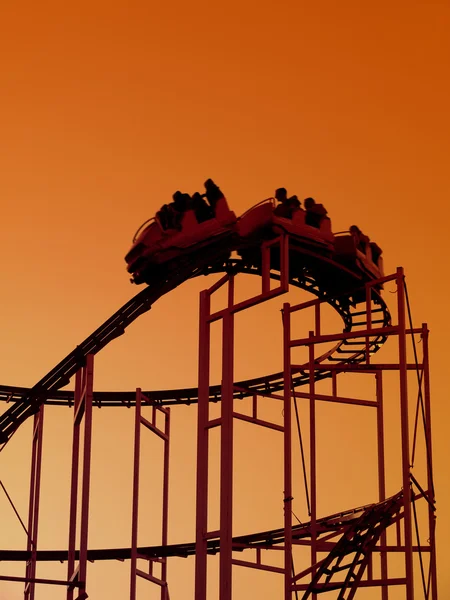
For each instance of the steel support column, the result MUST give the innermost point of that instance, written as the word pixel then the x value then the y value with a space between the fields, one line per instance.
pixel 381 476
pixel 226 420
pixel 135 502
pixel 403 376
pixel 82 410
pixel 287 376
pixel 312 453
pixel 33 509
pixel 226 449
pixel 429 451
pixel 202 448
pixel 164 435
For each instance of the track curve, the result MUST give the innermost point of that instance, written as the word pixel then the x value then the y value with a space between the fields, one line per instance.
pixel 335 522
pixel 309 271
pixel 306 272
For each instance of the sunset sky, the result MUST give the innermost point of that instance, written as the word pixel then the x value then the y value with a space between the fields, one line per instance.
pixel 107 108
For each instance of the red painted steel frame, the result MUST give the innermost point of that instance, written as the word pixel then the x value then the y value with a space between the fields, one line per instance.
pixel 400 330
pixel 76 579
pixel 164 435
pixel 33 511
pixel 319 539
pixel 227 415
pixel 84 380
pixel 431 516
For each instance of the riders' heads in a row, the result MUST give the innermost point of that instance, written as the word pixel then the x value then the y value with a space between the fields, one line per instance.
pixel 182 201
pixel 282 196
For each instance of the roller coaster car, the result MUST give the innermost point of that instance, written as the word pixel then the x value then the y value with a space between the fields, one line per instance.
pixel 369 263
pixel 260 220
pixel 154 246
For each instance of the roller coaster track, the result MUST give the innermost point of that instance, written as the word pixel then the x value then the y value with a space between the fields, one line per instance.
pixel 356 544
pixel 371 518
pixel 359 528
pixel 308 276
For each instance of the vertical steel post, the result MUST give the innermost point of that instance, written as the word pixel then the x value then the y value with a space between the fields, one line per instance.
pixel 403 373
pixel 202 448
pixel 33 509
pixel 165 514
pixel 381 476
pixel 82 410
pixel 84 524
pixel 287 452
pixel 428 449
pixel 135 509
pixel 74 484
pixel 226 449
pixel 369 319
pixel 312 445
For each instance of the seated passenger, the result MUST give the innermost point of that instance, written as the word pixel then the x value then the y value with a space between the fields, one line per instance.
pixel 361 240
pixel 203 212
pixel 294 202
pixel 213 194
pixel 181 203
pixel 164 217
pixel 287 205
pixel 376 253
pixel 315 213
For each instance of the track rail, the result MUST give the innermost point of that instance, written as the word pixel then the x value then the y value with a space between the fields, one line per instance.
pixel 344 521
pixel 356 532
pixel 307 275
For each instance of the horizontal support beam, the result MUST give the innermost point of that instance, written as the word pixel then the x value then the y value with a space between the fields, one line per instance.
pixel 146 401
pixel 362 367
pixel 44 581
pixel 322 587
pixel 345 335
pixel 246 304
pixel 256 421
pixel 348 335
pixel 149 577
pixel 253 565
pixel 338 399
pixel 150 426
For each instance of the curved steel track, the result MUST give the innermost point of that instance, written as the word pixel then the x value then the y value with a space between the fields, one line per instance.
pixel 26 401
pixel 309 271
pixel 349 519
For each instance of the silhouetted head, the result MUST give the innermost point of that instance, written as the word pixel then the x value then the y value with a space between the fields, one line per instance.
pixel 355 230
pixel 281 194
pixel 197 199
pixel 308 203
pixel 181 201
pixel 209 184
pixel 213 193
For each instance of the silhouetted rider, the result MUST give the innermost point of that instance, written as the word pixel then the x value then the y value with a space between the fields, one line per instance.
pixel 213 194
pixel 164 216
pixel 361 240
pixel 203 212
pixel 315 213
pixel 287 205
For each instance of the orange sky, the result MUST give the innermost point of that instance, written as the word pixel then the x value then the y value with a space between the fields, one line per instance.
pixel 109 107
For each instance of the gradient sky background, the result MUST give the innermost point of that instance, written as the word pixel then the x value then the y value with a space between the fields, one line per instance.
pixel 109 107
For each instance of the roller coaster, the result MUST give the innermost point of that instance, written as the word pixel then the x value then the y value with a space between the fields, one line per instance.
pixel 295 248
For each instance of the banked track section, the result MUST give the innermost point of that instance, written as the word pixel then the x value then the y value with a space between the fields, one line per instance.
pixel 371 519
pixel 26 401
